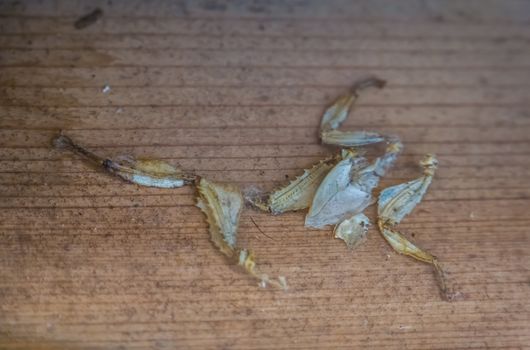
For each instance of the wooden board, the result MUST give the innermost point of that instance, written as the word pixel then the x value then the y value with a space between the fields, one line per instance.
pixel 235 92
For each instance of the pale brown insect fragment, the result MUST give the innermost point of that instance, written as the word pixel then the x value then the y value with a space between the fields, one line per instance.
pixel 299 193
pixel 398 201
pixel 347 188
pixel 248 262
pixel 350 139
pixel 144 172
pixel 337 113
pixel 222 205
pixel 353 230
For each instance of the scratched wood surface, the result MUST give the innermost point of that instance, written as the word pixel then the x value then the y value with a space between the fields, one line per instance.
pixel 234 91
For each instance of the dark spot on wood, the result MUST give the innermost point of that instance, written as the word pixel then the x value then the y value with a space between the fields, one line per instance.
pixel 24 238
pixel 88 19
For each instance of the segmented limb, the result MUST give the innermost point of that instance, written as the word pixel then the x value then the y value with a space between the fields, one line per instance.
pixel 403 246
pixel 337 113
pixel 398 201
pixel 144 172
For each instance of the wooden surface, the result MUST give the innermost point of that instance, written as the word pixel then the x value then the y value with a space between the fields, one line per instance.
pixel 235 92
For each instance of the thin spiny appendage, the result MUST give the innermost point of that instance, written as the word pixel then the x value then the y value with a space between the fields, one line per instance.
pixel 63 142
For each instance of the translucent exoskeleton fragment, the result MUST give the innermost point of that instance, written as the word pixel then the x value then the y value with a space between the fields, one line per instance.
pixel 300 192
pixel 353 230
pixel 347 189
pixel 145 172
pixel 398 201
pixel 222 205
pixel 337 113
pixel 350 139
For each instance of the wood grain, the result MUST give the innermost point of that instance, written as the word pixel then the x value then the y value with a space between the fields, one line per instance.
pixel 234 91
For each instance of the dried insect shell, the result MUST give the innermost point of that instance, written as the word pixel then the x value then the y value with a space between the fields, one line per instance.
pixel 346 190
pixel 350 139
pixel 335 115
pixel 404 246
pixel 145 172
pixel 300 192
pixel 337 197
pixel 353 230
pixel 385 162
pixel 149 172
pixel 222 205
pixel 398 201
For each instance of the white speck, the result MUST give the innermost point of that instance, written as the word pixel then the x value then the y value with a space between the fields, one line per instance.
pixel 119 110
pixel 106 89
pixel 471 215
pixel 263 284
pixel 404 327
pixel 153 182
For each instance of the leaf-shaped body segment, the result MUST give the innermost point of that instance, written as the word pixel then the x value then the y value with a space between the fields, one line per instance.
pixel 222 205
pixel 336 197
pixel 300 192
pixel 347 189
